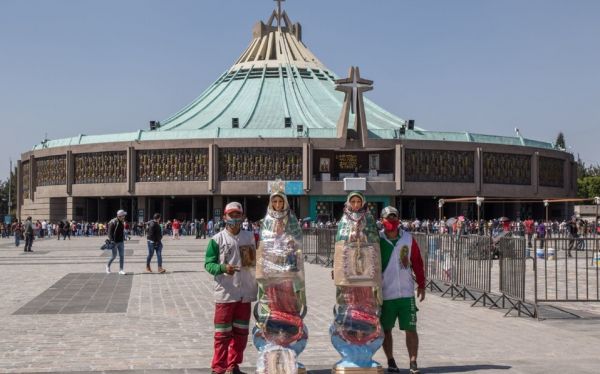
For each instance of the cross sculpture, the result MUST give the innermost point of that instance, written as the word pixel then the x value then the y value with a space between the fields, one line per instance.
pixel 279 11
pixel 354 86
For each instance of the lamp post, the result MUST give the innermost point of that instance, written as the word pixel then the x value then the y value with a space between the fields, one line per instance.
pixel 546 203
pixel 479 200
pixel 440 207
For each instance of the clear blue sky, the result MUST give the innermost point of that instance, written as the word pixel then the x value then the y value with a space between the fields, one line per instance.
pixel 79 66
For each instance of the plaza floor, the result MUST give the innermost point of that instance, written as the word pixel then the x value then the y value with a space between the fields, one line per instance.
pixel 59 312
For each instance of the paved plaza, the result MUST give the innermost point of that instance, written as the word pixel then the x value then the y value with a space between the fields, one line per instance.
pixel 61 313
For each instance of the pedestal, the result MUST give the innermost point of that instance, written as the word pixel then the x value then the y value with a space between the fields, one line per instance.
pixel 336 370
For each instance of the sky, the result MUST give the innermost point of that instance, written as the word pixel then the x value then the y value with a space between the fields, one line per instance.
pixel 70 67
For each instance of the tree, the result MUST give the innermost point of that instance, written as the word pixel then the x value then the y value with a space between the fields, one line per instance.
pixel 588 187
pixel 4 185
pixel 560 141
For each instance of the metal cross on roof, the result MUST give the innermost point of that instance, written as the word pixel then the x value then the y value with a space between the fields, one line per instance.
pixel 353 87
pixel 279 11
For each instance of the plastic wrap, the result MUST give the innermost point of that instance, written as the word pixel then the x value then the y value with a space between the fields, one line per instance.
pixel 356 331
pixel 280 334
pixel 275 359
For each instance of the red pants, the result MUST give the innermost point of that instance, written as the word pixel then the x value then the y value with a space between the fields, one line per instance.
pixel 231 335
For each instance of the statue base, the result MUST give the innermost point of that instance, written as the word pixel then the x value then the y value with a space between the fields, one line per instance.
pixel 341 370
pixel 301 370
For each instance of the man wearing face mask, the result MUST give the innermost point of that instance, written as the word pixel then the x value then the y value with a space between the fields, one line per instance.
pixel 230 258
pixel 400 259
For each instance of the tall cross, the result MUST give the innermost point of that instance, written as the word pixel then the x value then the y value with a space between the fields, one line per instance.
pixel 279 12
pixel 353 87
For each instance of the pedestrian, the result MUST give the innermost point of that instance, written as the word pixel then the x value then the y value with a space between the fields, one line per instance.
pixel 116 228
pixel 227 259
pixel 17 230
pixel 573 234
pixel 28 232
pixel 154 238
pixel 176 227
pixel 400 262
pixel 541 233
pixel 529 230
pixel 202 228
pixel 210 227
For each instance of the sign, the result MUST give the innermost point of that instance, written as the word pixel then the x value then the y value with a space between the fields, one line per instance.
pixel 7 220
pixel 294 188
pixel 346 161
pixel 290 188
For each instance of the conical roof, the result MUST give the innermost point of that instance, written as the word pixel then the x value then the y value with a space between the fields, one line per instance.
pixel 275 78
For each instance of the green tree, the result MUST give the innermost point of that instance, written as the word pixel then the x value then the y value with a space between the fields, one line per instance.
pixel 588 187
pixel 560 141
pixel 4 186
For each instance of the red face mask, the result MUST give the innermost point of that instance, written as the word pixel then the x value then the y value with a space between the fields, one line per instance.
pixel 390 224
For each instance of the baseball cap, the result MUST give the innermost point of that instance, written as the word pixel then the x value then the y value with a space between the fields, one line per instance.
pixel 389 210
pixel 234 206
pixel 121 213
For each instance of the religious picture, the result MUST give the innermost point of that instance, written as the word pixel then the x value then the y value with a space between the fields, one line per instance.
pixel 324 165
pixel 374 161
pixel 248 253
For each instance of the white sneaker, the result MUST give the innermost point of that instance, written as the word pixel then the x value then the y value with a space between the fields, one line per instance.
pixel 122 272
pixel 107 270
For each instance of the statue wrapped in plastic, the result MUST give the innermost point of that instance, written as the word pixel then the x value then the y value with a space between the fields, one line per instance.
pixel 280 334
pixel 356 332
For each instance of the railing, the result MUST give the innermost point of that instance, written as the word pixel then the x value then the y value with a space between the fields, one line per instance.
pixel 318 245
pixel 461 262
pixel 566 270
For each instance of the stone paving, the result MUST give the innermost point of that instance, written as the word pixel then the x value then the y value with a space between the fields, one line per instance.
pixel 167 325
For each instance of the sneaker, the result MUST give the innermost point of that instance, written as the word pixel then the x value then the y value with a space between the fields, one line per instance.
pixel 413 368
pixel 122 272
pixel 107 270
pixel 392 367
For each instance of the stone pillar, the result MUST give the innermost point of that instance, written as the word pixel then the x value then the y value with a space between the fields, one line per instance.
pixel 398 166
pixel 213 167
pixel 478 172
pixel 70 208
pixel 307 171
pixel 70 172
pixel 32 180
pixel 535 172
pixel 131 169
pixel 19 189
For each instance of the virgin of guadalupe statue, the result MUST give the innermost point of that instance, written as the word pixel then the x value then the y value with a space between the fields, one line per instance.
pixel 356 332
pixel 280 334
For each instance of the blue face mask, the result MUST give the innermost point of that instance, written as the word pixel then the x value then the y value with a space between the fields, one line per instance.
pixel 233 221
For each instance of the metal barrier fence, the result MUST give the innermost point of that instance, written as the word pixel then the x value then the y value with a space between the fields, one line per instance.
pixel 513 271
pixel 318 245
pixel 567 270
pixel 463 263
